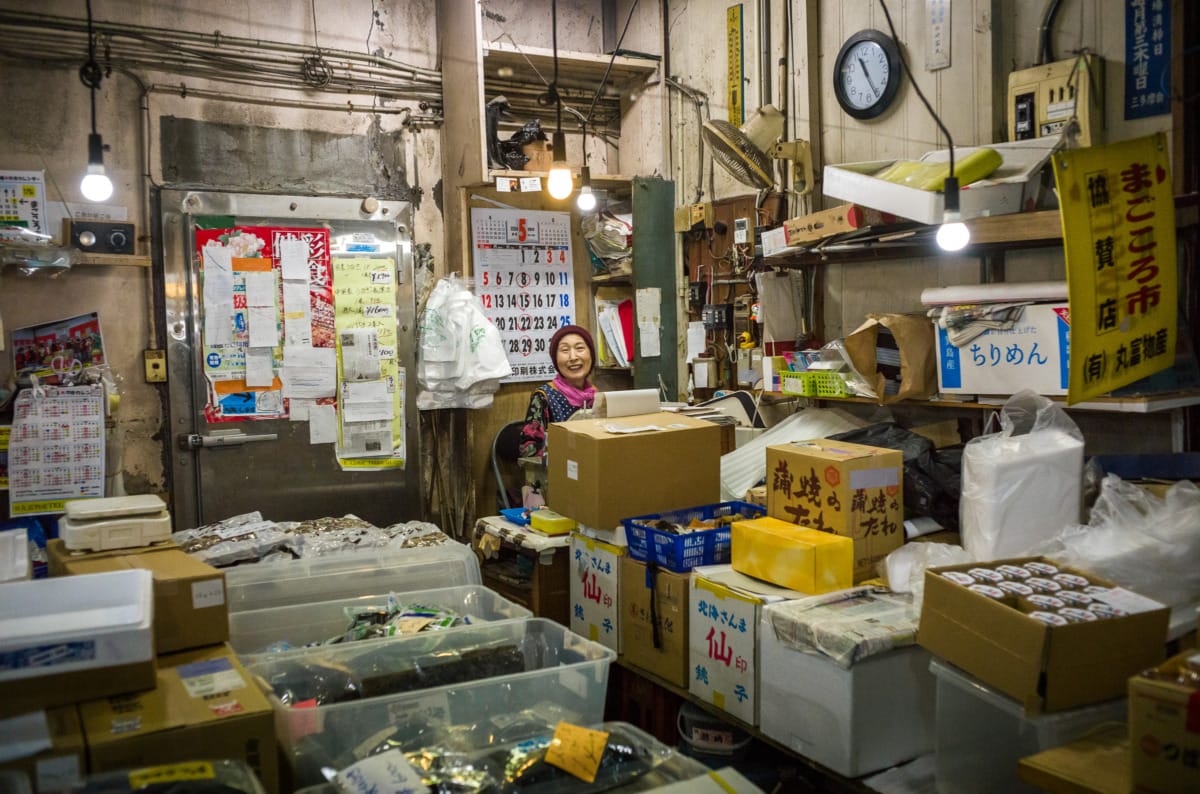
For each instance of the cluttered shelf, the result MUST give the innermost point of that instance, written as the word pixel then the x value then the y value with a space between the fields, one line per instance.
pixel 532 65
pixel 1038 229
pixel 620 280
pixel 834 781
pixel 1136 405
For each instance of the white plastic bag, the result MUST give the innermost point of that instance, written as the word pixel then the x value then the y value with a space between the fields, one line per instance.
pixel 1141 542
pixel 904 568
pixel 461 357
pixel 1021 485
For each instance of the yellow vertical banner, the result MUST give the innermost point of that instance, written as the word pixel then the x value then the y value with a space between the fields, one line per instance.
pixel 1118 218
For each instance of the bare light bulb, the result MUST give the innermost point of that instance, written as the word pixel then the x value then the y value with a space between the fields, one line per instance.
pixel 953 234
pixel 586 202
pixel 96 186
pixel 559 183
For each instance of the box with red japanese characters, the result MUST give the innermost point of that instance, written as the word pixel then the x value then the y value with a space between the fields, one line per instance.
pixel 1164 726
pixel 595 583
pixel 851 490
pixel 724 612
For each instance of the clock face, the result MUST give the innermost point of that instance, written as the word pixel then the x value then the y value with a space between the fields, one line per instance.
pixel 867 74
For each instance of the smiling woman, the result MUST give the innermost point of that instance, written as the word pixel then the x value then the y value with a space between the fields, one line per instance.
pixel 574 355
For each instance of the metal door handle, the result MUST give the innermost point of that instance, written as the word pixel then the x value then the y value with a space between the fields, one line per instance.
pixel 223 438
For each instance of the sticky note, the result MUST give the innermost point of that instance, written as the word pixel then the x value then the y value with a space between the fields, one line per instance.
pixel 577 750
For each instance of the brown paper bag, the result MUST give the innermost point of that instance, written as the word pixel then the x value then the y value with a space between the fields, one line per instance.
pixel 918 365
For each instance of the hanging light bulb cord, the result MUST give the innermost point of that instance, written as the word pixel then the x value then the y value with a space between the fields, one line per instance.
pixel 90 73
pixel 904 65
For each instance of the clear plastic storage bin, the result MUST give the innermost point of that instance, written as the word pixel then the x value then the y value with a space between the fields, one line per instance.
pixel 981 733
pixel 252 632
pixel 409 692
pixel 649 765
pixel 349 574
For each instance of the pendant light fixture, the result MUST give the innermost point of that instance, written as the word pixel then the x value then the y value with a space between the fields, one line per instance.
pixel 586 200
pixel 953 234
pixel 96 186
pixel 558 183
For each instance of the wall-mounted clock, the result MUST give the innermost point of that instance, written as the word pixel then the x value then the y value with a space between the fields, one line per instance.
pixel 867 74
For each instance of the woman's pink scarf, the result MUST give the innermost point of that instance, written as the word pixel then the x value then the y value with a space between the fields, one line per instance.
pixel 578 398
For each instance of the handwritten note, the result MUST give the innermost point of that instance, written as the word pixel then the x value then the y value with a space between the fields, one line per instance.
pixel 386 772
pixel 577 750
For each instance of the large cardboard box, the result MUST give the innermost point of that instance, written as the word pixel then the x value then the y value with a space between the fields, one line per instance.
pixel 850 490
pixel 1010 188
pixel 723 638
pixel 205 706
pixel 1045 668
pixel 604 470
pixel 60 767
pixel 1034 354
pixel 595 590
pixel 1164 728
pixel 668 657
pixel 189 595
pixel 826 223
pixel 789 555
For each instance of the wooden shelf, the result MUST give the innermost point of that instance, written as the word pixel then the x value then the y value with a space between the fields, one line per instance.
pixel 608 281
pixel 1130 405
pixel 580 68
pixel 598 180
pixel 113 260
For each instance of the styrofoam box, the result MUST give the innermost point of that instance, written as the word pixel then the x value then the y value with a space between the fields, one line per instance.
pixel 14 555
pixel 106 617
pixel 561 668
pixel 877 713
pixel 981 734
pixel 254 630
pixel 1003 193
pixel 349 574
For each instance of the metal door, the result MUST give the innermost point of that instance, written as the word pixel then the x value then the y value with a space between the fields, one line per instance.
pixel 222 469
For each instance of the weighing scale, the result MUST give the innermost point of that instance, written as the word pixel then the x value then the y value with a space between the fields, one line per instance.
pixel 118 522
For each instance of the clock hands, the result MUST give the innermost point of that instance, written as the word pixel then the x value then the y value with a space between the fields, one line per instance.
pixel 866 74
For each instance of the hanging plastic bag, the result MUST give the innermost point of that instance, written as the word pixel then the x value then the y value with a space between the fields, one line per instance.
pixel 461 357
pixel 1021 485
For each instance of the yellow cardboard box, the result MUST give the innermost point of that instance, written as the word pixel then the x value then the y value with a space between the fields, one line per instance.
pixel 851 490
pixel 792 556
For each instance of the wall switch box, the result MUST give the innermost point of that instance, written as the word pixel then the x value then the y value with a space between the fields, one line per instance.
pixel 717 316
pixel 156 365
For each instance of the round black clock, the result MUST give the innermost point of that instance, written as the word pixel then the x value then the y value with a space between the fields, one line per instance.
pixel 866 74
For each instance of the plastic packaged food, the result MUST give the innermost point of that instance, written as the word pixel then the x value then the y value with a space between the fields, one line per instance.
pixel 1015 588
pixel 1041 568
pixel 1105 611
pixel 986 575
pixel 1049 618
pixel 1073 598
pixel 1095 589
pixel 1043 585
pixel 1014 572
pixel 989 591
pixel 964 579
pixel 1077 615
pixel 1071 580
pixel 1041 601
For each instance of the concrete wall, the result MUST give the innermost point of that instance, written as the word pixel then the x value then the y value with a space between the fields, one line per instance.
pixel 46 123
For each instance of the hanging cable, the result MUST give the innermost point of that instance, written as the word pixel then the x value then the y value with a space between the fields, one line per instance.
pixel 611 60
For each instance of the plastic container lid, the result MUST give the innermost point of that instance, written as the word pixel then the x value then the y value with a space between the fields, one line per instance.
pixel 113 507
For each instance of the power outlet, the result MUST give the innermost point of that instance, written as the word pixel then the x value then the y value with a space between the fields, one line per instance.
pixel 156 365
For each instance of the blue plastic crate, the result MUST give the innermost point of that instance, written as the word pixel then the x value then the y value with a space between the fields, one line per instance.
pixel 681 553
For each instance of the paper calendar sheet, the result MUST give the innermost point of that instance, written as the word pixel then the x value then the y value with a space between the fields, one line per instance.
pixel 523 277
pixel 56 449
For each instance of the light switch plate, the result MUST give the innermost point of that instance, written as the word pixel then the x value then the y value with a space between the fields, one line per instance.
pixel 156 365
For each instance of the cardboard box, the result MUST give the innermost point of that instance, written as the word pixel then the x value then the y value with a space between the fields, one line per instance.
pixel 723 636
pixel 669 660
pixel 540 154
pixel 826 223
pixel 595 590
pixel 807 560
pixel 189 595
pixel 850 490
pixel 205 706
pixel 1033 354
pixel 1011 188
pixel 63 765
pixel 1045 668
pixel 1164 729
pixel 599 477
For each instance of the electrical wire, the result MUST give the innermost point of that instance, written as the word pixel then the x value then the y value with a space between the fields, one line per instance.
pixel 913 81
pixel 611 60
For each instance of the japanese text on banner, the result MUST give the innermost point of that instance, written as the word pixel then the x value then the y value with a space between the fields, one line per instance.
pixel 1118 216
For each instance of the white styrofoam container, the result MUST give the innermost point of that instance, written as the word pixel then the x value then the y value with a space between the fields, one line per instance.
pixel 1034 354
pixel 561 668
pixel 75 623
pixel 1004 192
pixel 981 733
pixel 14 555
pixel 595 574
pixel 252 631
pixel 875 714
pixel 349 574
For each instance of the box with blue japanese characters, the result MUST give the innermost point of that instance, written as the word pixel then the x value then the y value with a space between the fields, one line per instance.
pixel 1032 354
pixel 723 616
pixel 595 574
